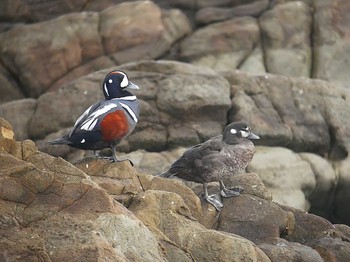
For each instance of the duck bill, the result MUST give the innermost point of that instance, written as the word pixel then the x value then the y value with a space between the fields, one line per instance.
pixel 253 136
pixel 132 86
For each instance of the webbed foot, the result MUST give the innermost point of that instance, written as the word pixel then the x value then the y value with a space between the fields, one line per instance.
pixel 215 200
pixel 230 192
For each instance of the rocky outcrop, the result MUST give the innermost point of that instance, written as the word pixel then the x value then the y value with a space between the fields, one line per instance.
pixel 55 48
pixel 54 211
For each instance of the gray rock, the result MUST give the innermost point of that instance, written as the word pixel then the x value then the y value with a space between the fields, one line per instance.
pixel 322 196
pixel 171 94
pixel 215 14
pixel 302 114
pixel 282 250
pixel 286 32
pixel 289 178
pixel 221 46
pixel 19 113
pixel 331 44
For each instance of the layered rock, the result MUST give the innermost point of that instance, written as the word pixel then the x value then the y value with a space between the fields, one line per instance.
pixel 52 210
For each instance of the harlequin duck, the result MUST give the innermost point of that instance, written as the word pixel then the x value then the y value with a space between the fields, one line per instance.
pixel 218 158
pixel 105 123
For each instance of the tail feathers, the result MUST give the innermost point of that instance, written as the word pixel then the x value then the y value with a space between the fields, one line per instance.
pixel 166 174
pixel 59 141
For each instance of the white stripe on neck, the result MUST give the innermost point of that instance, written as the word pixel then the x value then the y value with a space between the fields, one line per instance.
pixel 130 111
pixel 128 98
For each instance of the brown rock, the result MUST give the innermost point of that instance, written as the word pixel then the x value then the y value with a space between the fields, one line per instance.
pixel 9 89
pixel 282 250
pixel 129 39
pixel 67 41
pixel 173 225
pixel 260 223
pixel 52 211
pixel 308 227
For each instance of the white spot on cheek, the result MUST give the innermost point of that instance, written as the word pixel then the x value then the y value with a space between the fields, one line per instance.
pixel 233 131
pixel 110 81
pixel 82 141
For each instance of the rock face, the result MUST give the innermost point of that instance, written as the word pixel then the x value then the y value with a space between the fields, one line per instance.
pixel 54 55
pixel 54 211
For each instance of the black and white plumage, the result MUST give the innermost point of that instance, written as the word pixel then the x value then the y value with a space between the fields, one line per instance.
pixel 218 158
pixel 105 123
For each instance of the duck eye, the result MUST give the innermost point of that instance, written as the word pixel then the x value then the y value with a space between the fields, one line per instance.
pixel 110 81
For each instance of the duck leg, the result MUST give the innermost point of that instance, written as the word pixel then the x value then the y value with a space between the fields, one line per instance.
pixel 212 199
pixel 115 159
pixel 232 192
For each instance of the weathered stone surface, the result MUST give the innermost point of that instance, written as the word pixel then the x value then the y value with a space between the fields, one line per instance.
pixel 129 40
pixel 307 227
pixel 8 87
pixel 200 89
pixel 322 197
pixel 282 250
pixel 173 225
pixel 341 194
pixel 263 221
pixel 41 53
pixel 305 115
pixel 286 32
pixel 331 41
pixel 215 14
pixel 221 46
pixel 64 213
pixel 289 178
pixel 19 113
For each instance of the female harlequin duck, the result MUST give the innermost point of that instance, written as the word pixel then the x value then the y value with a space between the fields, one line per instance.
pixel 216 159
pixel 105 123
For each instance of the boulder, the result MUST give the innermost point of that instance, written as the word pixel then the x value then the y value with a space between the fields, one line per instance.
pixel 51 210
pixel 19 113
pixel 286 32
pixel 174 226
pixel 302 114
pixel 9 89
pixel 289 178
pixel 208 15
pixel 221 46
pixel 162 112
pixel 331 41
pixel 47 54
pixel 129 40
pixel 49 50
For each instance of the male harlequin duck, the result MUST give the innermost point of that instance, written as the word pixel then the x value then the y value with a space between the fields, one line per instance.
pixel 216 159
pixel 105 123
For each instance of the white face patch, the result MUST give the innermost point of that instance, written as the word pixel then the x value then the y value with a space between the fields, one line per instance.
pixel 110 81
pixel 125 81
pixel 82 141
pixel 233 131
pixel 244 133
